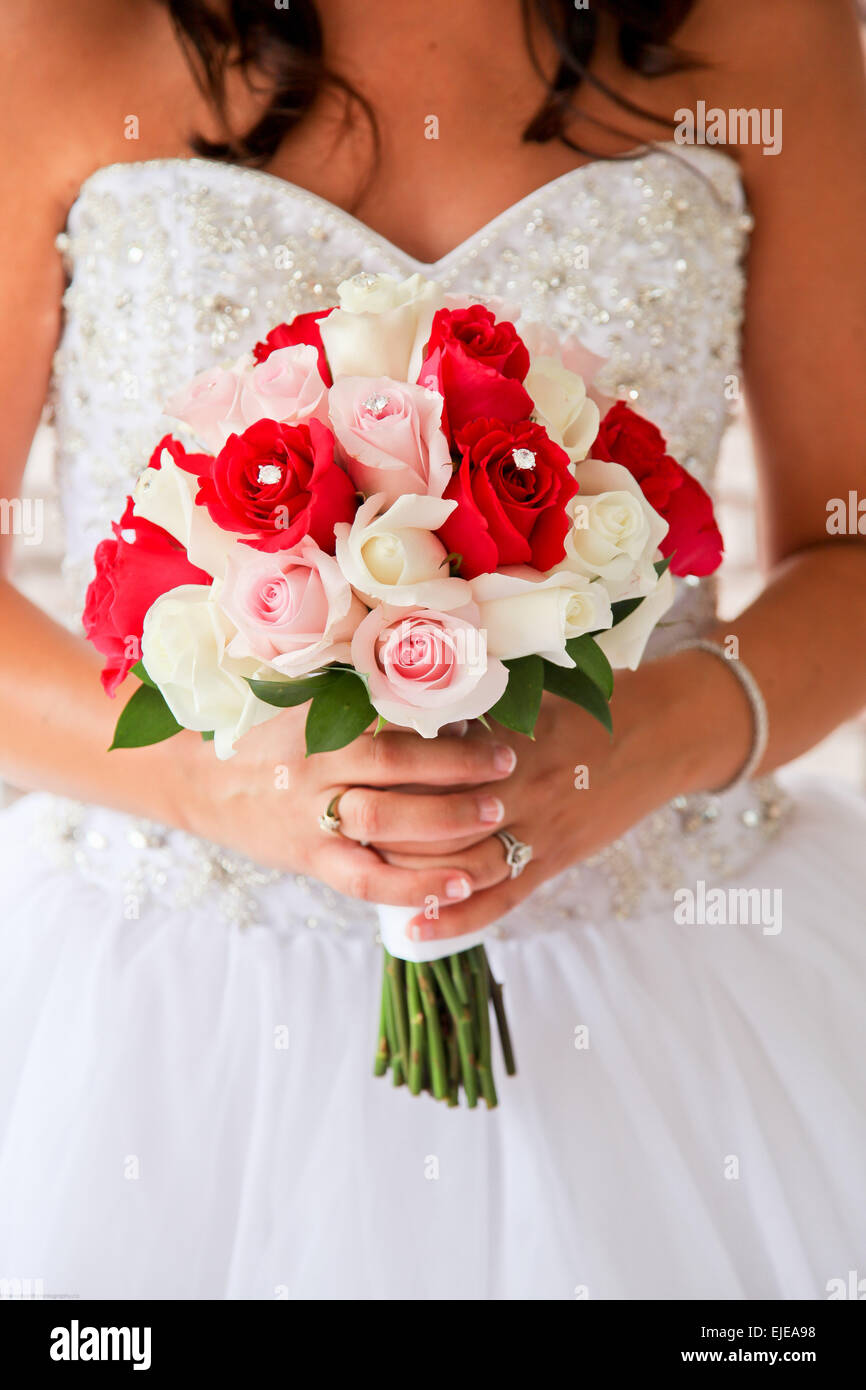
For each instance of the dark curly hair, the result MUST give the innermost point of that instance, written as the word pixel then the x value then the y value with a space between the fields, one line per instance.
pixel 285 49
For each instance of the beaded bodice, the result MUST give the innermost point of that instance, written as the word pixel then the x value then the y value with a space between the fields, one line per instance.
pixel 175 265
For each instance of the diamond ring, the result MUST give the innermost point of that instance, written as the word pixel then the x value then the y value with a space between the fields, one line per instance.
pixel 330 821
pixel 517 854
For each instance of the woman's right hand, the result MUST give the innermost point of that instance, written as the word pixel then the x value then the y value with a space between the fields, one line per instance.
pixel 265 802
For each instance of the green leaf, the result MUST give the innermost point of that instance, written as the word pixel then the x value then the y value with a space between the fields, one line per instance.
pixel 286 694
pixel 139 671
pixel 517 708
pixel 661 565
pixel 208 737
pixel 622 609
pixel 338 714
pixel 145 719
pixel 591 660
pixel 575 686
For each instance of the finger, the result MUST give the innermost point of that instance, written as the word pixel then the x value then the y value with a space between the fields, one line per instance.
pixel 394 758
pixel 482 909
pixel 360 873
pixel 371 815
pixel 426 848
pixel 484 863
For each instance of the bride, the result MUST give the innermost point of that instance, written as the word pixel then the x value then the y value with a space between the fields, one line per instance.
pixel 188 965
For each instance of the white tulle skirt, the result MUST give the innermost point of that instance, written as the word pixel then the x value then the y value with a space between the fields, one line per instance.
pixel 187 1108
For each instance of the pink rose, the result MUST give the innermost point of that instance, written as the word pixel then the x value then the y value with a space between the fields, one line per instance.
pixel 292 609
pixel 286 387
pixel 389 436
pixel 210 405
pixel 427 668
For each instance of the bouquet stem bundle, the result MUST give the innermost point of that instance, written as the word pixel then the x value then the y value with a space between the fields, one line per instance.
pixel 434 1027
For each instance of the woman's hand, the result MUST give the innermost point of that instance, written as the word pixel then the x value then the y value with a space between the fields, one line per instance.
pixel 575 789
pixel 266 802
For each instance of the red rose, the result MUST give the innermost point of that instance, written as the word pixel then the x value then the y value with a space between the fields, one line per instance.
pixel 303 329
pixel 132 570
pixel 508 514
pixel 477 365
pixel 199 464
pixel 279 483
pixel 693 537
pixel 627 438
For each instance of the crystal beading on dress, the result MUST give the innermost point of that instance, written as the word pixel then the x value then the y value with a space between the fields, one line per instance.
pixel 175 265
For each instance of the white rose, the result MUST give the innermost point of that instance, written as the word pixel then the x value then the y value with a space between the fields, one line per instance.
pixel 562 406
pixel 624 644
pixel 524 613
pixel 395 558
pixel 166 496
pixel 183 648
pixel 615 533
pixel 381 326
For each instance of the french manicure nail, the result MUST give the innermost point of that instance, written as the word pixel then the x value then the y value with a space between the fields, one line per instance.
pixel 504 758
pixel 421 931
pixel 458 888
pixel 491 810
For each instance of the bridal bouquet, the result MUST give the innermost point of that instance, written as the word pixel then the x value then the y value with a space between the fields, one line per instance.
pixel 398 511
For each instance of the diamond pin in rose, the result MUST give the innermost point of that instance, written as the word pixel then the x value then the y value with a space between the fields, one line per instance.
pixel 376 404
pixel 523 458
pixel 269 473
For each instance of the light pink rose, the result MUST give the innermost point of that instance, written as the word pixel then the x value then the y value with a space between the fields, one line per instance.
pixel 292 609
pixel 210 405
pixel 426 668
pixel 286 387
pixel 389 436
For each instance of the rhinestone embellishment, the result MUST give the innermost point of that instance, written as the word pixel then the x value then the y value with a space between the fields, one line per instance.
pixel 269 473
pixel 523 458
pixel 374 405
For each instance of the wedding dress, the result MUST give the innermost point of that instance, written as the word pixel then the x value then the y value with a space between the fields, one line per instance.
pixel 186 1101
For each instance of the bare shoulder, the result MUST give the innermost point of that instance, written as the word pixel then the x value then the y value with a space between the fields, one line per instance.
pixel 781 48
pixel 87 83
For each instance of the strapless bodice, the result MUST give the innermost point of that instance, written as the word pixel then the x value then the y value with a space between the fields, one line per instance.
pixel 175 265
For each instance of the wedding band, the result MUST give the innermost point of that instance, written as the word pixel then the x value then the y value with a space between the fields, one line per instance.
pixel 330 821
pixel 517 854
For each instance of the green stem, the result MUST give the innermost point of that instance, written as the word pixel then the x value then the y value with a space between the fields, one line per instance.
pixel 482 991
pixel 394 969
pixel 453 1068
pixel 383 1052
pixel 416 1031
pixel 502 1026
pixel 435 1046
pixel 456 963
pixel 396 1068
pixel 462 1016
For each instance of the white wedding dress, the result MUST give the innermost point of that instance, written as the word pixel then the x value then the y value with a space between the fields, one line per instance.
pixel 186 1101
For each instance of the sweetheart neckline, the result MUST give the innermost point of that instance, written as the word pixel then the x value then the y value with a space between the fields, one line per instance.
pixel 217 169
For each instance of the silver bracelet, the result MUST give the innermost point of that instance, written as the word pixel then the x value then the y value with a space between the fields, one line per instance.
pixel 757 703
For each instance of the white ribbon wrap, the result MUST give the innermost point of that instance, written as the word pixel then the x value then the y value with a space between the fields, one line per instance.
pixel 393 922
